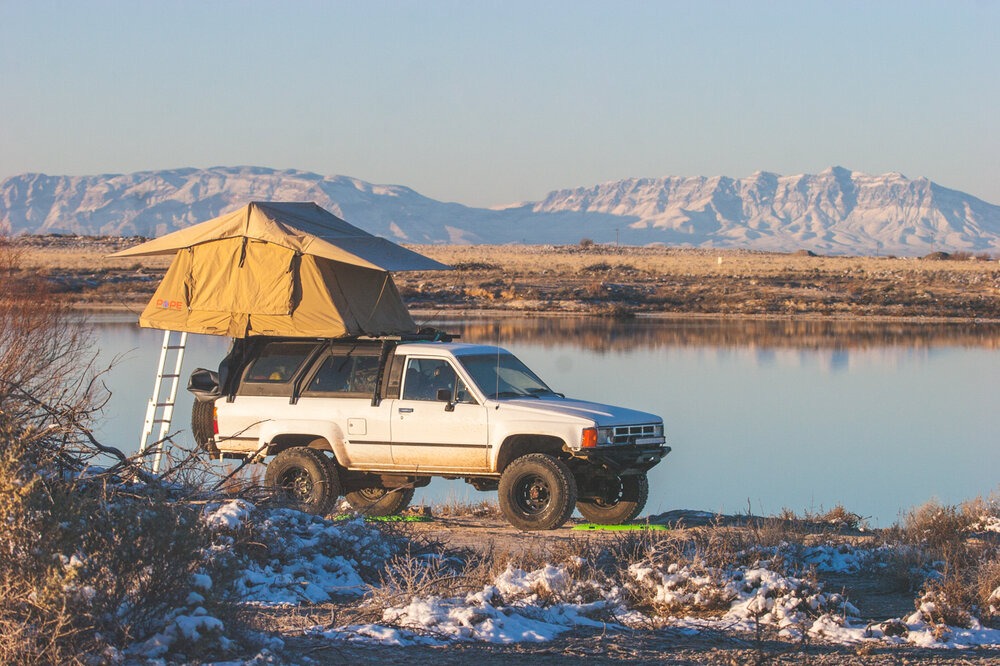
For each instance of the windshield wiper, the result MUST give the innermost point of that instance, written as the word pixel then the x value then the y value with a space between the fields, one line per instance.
pixel 511 394
pixel 536 392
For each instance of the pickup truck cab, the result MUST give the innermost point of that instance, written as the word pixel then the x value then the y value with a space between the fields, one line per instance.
pixel 372 419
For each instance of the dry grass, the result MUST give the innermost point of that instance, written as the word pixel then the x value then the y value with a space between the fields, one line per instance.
pixel 837 518
pixel 456 507
pixel 615 282
pixel 567 260
pixel 628 280
pixel 963 572
pixel 934 557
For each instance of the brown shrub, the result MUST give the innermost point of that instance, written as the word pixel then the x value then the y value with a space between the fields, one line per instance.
pixel 85 565
pixel 935 525
pixel 968 570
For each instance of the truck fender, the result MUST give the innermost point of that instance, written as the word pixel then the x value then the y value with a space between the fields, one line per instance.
pixel 512 445
pixel 307 428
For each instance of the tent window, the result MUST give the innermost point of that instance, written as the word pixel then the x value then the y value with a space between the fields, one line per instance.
pixel 345 373
pixel 278 362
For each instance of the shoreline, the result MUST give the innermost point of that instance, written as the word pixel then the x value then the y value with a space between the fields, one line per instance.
pixel 459 314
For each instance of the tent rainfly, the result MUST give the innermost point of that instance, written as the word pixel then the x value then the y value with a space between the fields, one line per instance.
pixel 282 269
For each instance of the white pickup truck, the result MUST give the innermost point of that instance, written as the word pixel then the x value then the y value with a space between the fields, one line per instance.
pixel 372 419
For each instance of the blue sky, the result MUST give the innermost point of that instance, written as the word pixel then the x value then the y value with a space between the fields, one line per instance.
pixel 493 102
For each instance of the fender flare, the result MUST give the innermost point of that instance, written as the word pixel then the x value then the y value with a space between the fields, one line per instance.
pixel 311 428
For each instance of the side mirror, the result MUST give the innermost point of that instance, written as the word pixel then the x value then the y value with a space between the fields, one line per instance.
pixel 204 384
pixel 444 395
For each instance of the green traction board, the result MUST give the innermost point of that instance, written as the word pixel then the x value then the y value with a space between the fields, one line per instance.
pixel 384 519
pixel 631 527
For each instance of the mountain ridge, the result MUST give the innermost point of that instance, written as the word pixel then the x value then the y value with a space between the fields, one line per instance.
pixel 836 211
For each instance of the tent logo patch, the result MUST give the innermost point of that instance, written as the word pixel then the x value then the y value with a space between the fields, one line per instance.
pixel 167 304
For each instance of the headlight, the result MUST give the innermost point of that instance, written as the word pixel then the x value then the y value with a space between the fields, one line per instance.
pixel 593 437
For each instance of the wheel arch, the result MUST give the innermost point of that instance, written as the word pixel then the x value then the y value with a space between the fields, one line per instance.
pixel 515 446
pixel 313 434
pixel 288 440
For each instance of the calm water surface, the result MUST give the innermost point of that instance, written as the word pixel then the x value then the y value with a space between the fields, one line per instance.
pixel 765 415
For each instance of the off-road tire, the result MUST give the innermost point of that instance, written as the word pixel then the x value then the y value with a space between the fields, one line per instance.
pixel 203 425
pixel 305 478
pixel 623 504
pixel 537 492
pixel 380 501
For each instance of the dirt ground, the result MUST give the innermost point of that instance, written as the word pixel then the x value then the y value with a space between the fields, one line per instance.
pixel 664 646
pixel 873 596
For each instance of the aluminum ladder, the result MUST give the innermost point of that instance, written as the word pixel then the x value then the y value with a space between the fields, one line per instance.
pixel 158 412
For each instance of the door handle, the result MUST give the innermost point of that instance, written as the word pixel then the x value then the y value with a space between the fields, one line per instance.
pixel 405 410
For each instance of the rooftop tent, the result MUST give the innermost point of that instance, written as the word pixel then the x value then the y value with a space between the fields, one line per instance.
pixel 284 269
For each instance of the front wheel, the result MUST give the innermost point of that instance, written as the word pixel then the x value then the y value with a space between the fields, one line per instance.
pixel 537 492
pixel 380 501
pixel 304 477
pixel 620 500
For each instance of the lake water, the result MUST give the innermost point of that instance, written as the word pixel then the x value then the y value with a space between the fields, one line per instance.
pixel 764 415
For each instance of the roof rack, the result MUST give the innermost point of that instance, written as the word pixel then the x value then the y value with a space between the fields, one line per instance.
pixel 423 335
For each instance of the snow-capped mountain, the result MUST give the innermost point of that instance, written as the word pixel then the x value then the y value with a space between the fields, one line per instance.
pixel 152 203
pixel 836 211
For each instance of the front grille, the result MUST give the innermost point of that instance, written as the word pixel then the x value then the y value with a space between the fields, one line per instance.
pixel 629 434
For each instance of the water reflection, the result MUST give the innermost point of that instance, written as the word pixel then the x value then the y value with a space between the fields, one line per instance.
pixel 607 334
pixel 797 414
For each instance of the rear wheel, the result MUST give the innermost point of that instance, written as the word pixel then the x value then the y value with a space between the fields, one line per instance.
pixel 537 492
pixel 620 499
pixel 305 478
pixel 379 501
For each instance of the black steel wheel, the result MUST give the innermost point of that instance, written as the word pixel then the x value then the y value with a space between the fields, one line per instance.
pixel 378 501
pixel 621 499
pixel 305 478
pixel 537 492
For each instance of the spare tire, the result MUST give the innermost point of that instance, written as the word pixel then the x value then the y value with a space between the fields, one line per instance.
pixel 203 425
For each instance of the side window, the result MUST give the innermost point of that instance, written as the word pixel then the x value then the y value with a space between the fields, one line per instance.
pixel 395 377
pixel 424 377
pixel 345 373
pixel 278 362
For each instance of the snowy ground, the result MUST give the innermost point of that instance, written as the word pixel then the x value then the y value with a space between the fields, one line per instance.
pixel 310 560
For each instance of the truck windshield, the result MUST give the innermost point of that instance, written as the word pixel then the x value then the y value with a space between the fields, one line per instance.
pixel 503 376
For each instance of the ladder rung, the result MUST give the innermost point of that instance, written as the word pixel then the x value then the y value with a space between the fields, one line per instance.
pixel 168 382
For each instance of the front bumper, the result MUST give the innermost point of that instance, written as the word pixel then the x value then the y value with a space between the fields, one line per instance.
pixel 624 460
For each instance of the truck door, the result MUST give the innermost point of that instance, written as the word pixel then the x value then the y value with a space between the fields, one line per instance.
pixel 431 434
pixel 340 392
